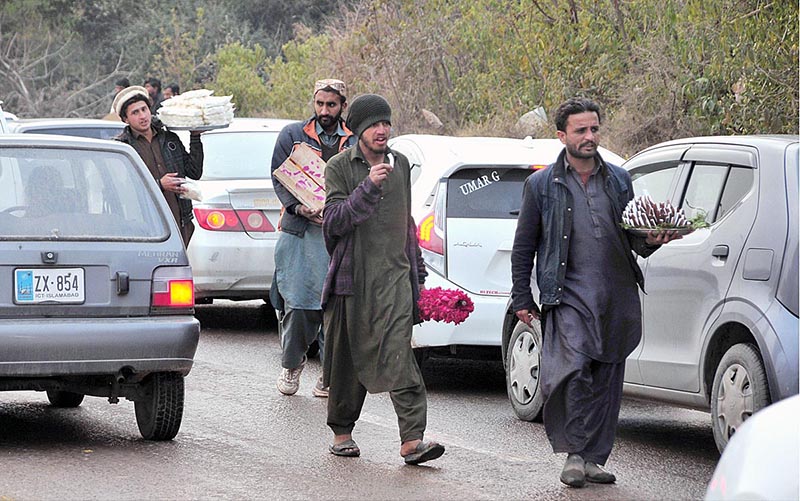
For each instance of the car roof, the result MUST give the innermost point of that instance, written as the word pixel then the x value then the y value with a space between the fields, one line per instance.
pixel 743 140
pixel 490 150
pixel 255 124
pixel 57 141
pixel 22 124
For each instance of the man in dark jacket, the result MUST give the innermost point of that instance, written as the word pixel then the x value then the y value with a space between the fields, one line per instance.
pixel 300 257
pixel 587 276
pixel 162 152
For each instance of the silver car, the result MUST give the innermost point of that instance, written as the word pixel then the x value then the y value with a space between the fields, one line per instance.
pixel 720 316
pixel 236 222
pixel 79 127
pixel 96 292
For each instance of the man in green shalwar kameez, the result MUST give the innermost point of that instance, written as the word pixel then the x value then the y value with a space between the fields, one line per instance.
pixel 372 286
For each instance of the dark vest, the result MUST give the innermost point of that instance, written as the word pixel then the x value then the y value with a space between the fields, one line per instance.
pixel 329 151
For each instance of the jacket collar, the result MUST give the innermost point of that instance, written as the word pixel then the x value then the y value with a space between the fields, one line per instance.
pixel 560 166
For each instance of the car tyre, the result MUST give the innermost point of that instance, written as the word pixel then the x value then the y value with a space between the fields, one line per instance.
pixel 160 413
pixel 64 399
pixel 739 390
pixel 523 360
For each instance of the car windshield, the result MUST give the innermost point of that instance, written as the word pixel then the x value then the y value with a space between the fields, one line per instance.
pixel 75 194
pixel 489 191
pixel 238 155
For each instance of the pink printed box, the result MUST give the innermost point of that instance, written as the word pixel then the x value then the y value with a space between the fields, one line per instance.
pixel 303 174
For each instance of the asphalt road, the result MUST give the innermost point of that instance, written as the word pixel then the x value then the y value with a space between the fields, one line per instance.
pixel 241 439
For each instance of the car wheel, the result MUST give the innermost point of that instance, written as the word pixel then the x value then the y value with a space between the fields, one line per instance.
pixel 64 398
pixel 159 414
pixel 523 359
pixel 740 388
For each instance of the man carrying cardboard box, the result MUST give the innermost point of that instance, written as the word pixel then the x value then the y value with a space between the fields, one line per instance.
pixel 301 260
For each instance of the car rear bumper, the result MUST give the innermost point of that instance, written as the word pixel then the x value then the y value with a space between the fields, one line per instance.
pixel 483 327
pixel 71 347
pixel 231 265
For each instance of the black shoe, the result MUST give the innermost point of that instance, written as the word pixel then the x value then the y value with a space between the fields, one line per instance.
pixel 597 475
pixel 573 473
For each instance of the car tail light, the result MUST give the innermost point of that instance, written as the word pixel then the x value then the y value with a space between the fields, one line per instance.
pixel 228 219
pixel 431 233
pixel 537 167
pixel 173 290
pixel 428 237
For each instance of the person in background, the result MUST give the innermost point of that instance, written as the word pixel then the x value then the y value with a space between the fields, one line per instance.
pixel 162 152
pixel 153 86
pixel 300 256
pixel 587 277
pixel 171 90
pixel 372 286
pixel 120 84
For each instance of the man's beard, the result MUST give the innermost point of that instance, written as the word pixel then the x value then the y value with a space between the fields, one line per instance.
pixel 328 120
pixel 375 149
pixel 578 153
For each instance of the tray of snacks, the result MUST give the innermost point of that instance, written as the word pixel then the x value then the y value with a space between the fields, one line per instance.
pixel 196 110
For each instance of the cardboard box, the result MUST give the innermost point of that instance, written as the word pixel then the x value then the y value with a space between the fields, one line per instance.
pixel 303 174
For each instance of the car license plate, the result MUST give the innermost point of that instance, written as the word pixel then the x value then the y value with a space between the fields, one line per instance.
pixel 48 285
pixel 267 203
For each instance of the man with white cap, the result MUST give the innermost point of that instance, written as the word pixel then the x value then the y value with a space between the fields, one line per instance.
pixel 300 257
pixel 162 152
pixel 372 286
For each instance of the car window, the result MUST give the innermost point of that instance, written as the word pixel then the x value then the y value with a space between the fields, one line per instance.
pixel 75 195
pixel 704 191
pixel 492 192
pixel 716 189
pixel 238 155
pixel 654 180
pixel 93 132
pixel 739 183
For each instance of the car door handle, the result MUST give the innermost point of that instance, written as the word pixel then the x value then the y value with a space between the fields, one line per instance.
pixel 720 251
pixel 514 212
pixel 123 283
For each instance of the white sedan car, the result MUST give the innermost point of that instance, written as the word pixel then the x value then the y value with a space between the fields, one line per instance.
pixel 465 197
pixel 232 249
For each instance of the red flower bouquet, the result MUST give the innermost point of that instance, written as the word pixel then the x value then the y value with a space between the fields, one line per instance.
pixel 444 305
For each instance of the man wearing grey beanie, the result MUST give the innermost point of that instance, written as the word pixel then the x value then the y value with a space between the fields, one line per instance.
pixel 371 290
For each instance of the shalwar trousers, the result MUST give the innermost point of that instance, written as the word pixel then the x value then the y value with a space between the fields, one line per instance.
pixel 582 397
pixel 347 394
pixel 300 328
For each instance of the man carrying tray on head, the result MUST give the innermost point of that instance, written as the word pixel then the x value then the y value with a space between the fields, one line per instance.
pixel 301 260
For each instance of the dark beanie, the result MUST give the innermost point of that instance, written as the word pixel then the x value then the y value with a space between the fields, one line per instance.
pixel 366 110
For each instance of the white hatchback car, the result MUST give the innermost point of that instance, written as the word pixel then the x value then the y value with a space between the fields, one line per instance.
pixel 232 249
pixel 466 194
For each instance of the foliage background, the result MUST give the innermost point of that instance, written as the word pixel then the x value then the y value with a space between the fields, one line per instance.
pixel 661 69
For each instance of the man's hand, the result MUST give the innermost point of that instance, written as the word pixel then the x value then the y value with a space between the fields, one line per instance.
pixel 314 216
pixel 379 172
pixel 172 182
pixel 527 316
pixel 662 237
